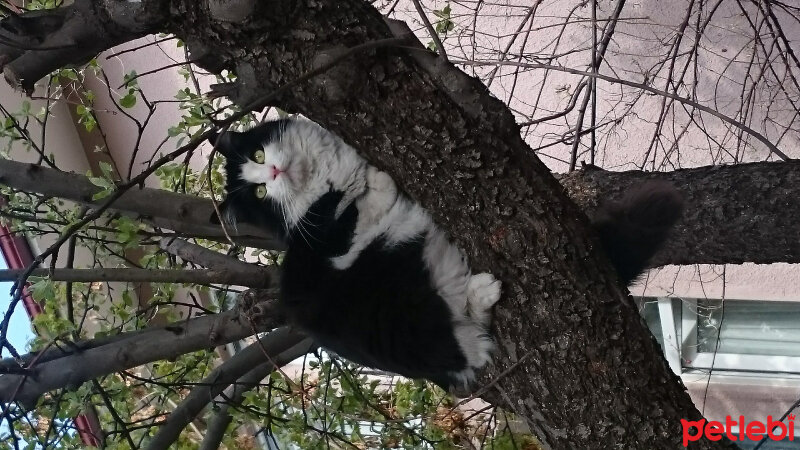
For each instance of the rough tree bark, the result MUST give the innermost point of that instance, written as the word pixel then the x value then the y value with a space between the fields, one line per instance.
pixel 734 214
pixel 575 358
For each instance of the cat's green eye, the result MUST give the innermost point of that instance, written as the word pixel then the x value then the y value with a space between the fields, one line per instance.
pixel 261 191
pixel 258 156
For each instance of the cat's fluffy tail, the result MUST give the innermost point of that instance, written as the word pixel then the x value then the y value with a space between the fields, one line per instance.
pixel 636 226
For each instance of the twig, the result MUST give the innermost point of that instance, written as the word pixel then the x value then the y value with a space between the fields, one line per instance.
pixel 283 343
pixel 139 47
pixel 434 35
pixel 770 146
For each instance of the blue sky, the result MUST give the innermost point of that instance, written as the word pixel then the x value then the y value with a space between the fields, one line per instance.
pixel 19 330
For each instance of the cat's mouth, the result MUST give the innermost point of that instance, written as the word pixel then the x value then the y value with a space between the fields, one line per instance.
pixel 275 172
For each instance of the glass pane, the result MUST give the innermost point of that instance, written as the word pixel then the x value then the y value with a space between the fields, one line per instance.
pixel 648 308
pixel 749 327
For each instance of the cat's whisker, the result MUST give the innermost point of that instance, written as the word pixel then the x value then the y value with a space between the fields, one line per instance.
pixel 238 189
pixel 283 214
pixel 299 223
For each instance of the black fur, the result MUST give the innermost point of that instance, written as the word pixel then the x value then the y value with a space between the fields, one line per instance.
pixel 636 226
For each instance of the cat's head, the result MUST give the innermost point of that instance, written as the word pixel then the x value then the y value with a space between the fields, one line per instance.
pixel 276 170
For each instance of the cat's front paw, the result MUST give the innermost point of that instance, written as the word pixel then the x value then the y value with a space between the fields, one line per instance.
pixel 380 181
pixel 483 291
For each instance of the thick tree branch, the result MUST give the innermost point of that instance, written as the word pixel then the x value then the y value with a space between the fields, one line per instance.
pixel 734 214
pixel 179 212
pixel 199 276
pixel 39 42
pixel 68 365
pixel 214 260
pixel 278 347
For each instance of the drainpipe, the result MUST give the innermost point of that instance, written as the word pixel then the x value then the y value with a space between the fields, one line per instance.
pixel 18 255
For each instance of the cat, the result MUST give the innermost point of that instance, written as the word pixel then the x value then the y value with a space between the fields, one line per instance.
pixel 367 273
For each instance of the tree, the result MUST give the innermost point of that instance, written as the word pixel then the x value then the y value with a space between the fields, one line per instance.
pixel 575 361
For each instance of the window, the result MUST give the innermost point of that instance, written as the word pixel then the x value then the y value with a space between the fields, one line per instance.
pixel 735 335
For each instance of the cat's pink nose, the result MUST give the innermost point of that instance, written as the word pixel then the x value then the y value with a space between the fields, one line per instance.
pixel 276 172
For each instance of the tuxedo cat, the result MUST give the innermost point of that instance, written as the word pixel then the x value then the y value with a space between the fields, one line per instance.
pixel 366 272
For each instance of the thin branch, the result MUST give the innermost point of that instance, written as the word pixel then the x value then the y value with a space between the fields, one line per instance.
pixel 150 72
pixel 76 363
pixel 770 146
pixel 598 55
pixel 139 47
pixel 123 427
pixel 285 344
pixel 437 41
pixel 258 278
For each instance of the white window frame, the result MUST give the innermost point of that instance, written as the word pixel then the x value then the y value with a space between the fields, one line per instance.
pixel 684 330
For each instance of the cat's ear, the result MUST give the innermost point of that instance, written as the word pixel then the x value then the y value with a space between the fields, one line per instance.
pixel 226 143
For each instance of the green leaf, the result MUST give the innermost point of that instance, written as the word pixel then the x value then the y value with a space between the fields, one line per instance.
pixel 444 24
pixel 68 74
pixel 107 187
pixel 129 80
pixel 128 101
pixel 101 182
pixel 106 169
pixel 101 194
pixel 126 298
pixel 43 290
pixel 443 13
